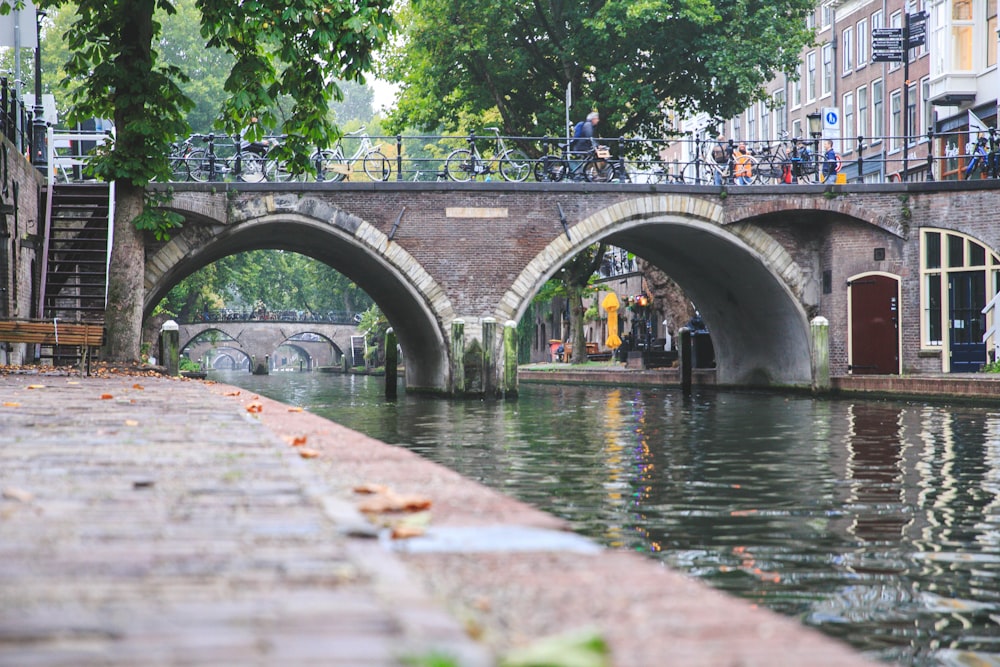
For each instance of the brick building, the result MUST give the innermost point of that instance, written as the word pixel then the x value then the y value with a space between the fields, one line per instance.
pixel 904 112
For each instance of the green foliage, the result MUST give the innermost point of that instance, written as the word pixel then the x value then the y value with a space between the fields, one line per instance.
pixel 628 59
pixel 276 279
pixel 990 367
pixel 582 649
pixel 186 364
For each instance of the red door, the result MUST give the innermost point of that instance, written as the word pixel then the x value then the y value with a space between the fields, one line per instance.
pixel 874 325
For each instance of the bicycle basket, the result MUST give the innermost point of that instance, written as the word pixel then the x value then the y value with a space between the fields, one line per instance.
pixel 603 152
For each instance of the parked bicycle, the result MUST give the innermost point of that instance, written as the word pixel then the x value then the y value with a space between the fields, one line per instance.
pixel 595 165
pixel 465 164
pixel 330 164
pixel 986 163
pixel 245 164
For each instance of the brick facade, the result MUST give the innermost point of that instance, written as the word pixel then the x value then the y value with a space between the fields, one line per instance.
pixel 758 263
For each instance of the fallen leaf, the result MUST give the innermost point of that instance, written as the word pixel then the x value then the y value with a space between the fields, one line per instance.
pixel 295 409
pixel 11 404
pixel 404 532
pixel 371 487
pixel 254 408
pixel 393 502
pixel 20 495
pixel 307 453
pixel 232 393
pixel 131 422
pixel 105 397
pixel 138 386
pixel 298 441
pixel 36 386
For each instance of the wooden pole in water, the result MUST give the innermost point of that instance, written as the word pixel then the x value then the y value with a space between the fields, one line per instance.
pixel 490 357
pixel 391 363
pixel 510 359
pixel 686 359
pixel 458 357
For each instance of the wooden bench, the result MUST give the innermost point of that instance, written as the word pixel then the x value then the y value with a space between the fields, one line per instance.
pixel 54 332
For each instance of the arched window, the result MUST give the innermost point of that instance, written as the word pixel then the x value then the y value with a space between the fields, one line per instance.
pixel 958 277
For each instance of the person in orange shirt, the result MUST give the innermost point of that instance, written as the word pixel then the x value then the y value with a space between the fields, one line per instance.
pixel 743 165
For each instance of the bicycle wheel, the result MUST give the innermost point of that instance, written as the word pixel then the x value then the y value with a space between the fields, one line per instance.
pixel 276 171
pixel 179 171
pixel 198 167
pixel 330 166
pixel 251 167
pixel 377 166
pixel 550 169
pixel 598 171
pixel 458 165
pixel 515 165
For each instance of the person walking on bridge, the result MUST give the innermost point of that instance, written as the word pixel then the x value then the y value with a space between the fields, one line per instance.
pixel 583 141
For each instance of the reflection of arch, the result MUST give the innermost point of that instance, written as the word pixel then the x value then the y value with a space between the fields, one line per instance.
pixel 748 288
pixel 239 358
pixel 219 362
pixel 404 291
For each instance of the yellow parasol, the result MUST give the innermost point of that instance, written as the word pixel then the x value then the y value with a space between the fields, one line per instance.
pixel 610 304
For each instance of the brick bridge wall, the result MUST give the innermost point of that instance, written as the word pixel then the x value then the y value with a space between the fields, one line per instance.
pixel 752 259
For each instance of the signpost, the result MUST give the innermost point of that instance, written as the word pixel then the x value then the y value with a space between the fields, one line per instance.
pixel 892 45
pixel 887 45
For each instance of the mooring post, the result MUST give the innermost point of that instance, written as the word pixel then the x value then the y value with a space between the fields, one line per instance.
pixel 819 329
pixel 458 357
pixel 170 346
pixel 686 359
pixel 510 359
pixel 490 357
pixel 391 363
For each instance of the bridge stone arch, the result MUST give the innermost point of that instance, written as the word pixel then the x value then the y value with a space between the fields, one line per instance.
pixel 406 293
pixel 749 290
pixel 260 339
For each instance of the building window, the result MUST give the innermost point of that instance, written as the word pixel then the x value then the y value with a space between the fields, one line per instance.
pixel 811 20
pixel 765 121
pixel 877 20
pixel 848 50
pixel 951 260
pixel 862 100
pixel 895 21
pixel 863 38
pixel 811 76
pixel 878 118
pixel 911 115
pixel 752 123
pixel 991 33
pixel 827 69
pixel 928 108
pixel 895 119
pixel 961 35
pixel 848 129
pixel 797 87
pixel 797 128
pixel 827 16
pixel 780 117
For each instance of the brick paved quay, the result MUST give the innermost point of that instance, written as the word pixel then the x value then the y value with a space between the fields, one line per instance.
pixel 155 521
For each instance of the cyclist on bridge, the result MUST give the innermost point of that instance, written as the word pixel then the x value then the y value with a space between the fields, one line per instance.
pixel 583 141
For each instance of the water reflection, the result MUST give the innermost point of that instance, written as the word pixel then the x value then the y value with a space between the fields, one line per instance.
pixel 878 522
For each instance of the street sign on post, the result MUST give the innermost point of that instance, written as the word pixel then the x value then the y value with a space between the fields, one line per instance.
pixel 916 29
pixel 831 123
pixel 887 45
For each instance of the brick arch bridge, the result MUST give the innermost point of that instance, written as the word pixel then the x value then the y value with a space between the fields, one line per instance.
pixel 258 340
pixel 759 262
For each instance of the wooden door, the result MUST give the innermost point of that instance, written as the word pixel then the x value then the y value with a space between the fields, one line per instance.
pixel 874 325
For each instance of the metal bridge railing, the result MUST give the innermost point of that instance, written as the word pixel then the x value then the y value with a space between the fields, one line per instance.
pixel 685 159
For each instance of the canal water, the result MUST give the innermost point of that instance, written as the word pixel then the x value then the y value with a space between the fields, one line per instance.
pixel 877 522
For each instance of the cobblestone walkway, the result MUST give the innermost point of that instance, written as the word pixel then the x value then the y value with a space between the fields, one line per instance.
pixel 148 521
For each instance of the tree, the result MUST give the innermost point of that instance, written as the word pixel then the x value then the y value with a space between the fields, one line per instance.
pixel 293 49
pixel 628 59
pixel 573 281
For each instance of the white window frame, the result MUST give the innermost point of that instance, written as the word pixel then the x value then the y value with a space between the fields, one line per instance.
pixel 848 130
pixel 848 50
pixel 810 77
pixel 877 104
pixel 862 112
pixel 827 69
pixel 861 30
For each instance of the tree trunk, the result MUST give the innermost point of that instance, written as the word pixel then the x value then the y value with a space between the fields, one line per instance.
pixel 123 317
pixel 576 311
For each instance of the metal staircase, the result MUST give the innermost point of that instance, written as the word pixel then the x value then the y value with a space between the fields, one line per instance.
pixel 75 258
